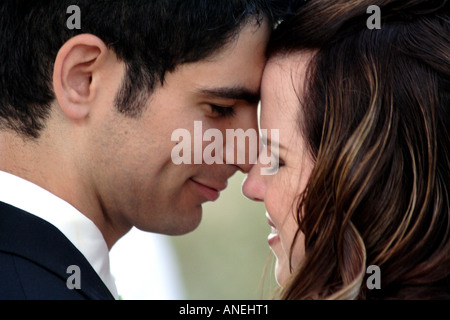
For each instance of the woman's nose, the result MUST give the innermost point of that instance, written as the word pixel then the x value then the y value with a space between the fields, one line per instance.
pixel 254 186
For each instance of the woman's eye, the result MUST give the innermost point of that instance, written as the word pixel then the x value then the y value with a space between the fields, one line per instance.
pixel 223 112
pixel 275 166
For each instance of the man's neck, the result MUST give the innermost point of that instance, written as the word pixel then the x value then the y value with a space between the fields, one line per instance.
pixel 55 170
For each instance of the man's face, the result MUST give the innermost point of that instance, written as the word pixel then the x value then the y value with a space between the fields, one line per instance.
pixel 136 180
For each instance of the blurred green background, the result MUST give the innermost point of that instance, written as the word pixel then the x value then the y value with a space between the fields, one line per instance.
pixel 228 257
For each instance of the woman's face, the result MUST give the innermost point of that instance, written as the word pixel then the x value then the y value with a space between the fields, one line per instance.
pixel 282 85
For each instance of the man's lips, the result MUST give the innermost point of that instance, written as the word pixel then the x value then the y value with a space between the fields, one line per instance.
pixel 209 190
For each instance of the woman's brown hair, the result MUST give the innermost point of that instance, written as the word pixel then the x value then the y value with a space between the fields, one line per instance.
pixel 376 117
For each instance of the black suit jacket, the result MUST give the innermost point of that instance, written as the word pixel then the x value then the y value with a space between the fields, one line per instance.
pixel 34 257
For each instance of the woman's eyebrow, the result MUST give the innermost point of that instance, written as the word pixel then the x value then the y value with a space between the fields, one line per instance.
pixel 269 142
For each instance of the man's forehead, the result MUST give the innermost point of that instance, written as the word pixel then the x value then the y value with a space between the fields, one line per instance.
pixel 231 74
pixel 249 33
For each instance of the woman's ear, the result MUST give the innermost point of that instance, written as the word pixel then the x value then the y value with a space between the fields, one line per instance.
pixel 75 67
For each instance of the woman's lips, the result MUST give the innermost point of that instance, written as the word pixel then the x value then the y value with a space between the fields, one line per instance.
pixel 273 236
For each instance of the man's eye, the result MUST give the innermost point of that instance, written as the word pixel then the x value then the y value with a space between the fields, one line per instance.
pixel 223 112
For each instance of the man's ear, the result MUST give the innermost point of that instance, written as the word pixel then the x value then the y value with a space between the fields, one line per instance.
pixel 74 74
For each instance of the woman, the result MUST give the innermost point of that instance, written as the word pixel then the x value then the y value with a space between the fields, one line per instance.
pixel 364 151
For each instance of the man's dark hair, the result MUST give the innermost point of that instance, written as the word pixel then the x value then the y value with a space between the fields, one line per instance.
pixel 152 37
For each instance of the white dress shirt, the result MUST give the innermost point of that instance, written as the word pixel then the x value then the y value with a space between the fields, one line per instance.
pixel 79 229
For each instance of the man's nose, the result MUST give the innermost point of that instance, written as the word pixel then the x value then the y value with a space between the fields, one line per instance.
pixel 242 144
pixel 247 151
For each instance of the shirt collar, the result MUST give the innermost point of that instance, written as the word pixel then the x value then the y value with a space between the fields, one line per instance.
pixel 79 229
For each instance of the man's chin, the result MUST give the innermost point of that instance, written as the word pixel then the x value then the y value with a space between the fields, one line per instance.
pixel 188 225
pixel 180 223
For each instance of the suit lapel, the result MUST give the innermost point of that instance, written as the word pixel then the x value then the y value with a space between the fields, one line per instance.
pixel 30 237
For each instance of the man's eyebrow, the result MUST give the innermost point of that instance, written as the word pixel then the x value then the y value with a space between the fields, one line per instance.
pixel 235 93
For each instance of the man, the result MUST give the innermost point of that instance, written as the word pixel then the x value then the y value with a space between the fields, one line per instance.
pixel 86 117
